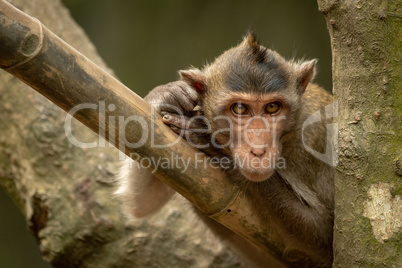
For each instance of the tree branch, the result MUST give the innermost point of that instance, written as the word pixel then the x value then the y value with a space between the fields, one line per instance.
pixel 366 50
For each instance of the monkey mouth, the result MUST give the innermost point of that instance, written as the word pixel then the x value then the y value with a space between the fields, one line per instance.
pixel 255 168
pixel 257 175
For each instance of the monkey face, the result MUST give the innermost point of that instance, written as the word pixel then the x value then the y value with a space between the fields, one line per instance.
pixel 253 125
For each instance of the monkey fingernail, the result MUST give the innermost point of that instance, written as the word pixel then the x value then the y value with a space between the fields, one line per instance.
pixel 166 117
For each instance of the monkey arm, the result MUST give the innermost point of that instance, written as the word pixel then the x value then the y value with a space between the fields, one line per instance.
pixel 142 192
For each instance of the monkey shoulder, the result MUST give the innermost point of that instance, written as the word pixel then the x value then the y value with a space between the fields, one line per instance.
pixel 317 96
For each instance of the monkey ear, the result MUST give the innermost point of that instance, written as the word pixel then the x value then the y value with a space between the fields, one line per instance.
pixel 305 74
pixel 195 78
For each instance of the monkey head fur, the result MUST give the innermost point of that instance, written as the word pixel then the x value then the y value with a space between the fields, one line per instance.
pixel 246 74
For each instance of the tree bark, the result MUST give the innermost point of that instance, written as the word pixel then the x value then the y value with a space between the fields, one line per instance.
pixel 66 192
pixel 366 46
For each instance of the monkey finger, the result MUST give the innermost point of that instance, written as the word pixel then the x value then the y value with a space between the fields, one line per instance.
pixel 179 131
pixel 180 94
pixel 190 92
pixel 176 129
pixel 184 102
pixel 179 121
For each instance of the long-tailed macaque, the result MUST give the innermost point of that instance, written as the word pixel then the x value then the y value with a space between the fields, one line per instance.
pixel 254 104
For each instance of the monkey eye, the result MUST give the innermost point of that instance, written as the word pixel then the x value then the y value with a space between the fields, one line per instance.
pixel 273 107
pixel 239 108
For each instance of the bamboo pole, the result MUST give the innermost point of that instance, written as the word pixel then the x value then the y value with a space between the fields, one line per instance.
pixel 29 51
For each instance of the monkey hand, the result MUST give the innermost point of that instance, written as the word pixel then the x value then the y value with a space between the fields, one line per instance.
pixel 174 98
pixel 194 129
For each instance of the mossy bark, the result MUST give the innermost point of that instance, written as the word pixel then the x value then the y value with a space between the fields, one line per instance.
pixel 366 47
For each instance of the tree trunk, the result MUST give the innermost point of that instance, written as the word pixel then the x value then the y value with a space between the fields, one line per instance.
pixel 366 45
pixel 66 192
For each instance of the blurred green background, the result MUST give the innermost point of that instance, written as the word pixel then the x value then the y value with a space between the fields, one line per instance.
pixel 147 41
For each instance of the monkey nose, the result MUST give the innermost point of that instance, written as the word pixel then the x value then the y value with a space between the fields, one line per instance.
pixel 258 152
